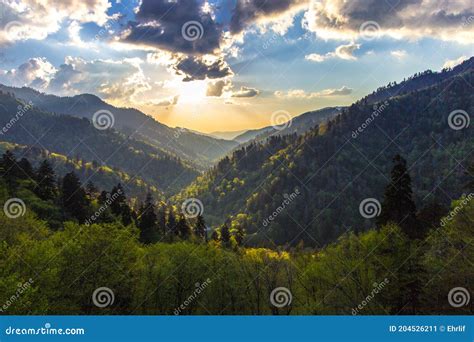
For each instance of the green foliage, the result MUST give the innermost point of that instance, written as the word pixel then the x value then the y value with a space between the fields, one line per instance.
pixel 335 166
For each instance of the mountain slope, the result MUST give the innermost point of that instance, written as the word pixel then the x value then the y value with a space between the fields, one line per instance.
pixel 310 187
pixel 199 149
pixel 102 176
pixel 299 125
pixel 79 139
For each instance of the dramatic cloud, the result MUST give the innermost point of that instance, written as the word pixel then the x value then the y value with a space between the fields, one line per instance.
pixel 340 19
pixel 246 92
pixel 301 94
pixel 453 62
pixel 216 89
pixel 343 52
pixel 196 68
pixel 33 19
pixel 113 80
pixel 248 12
pixel 36 72
pixel 179 26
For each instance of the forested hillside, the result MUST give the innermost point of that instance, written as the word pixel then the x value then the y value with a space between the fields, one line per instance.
pixel 333 168
pixel 299 125
pixel 152 262
pixel 78 139
pixel 88 172
pixel 197 149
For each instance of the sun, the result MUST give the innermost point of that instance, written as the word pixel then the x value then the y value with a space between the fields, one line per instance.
pixel 192 92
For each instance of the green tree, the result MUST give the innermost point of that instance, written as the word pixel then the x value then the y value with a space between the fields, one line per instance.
pixel 10 169
pixel 200 229
pixel 398 205
pixel 225 234
pixel 147 221
pixel 74 198
pixel 46 186
pixel 183 229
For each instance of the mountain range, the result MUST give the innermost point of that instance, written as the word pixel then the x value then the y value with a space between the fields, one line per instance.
pixel 327 161
pixel 328 171
pixel 198 149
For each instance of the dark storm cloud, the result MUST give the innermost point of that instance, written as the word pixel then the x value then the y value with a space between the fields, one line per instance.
pixel 159 23
pixel 195 68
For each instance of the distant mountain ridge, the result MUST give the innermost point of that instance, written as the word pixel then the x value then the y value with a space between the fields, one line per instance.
pixel 299 125
pixel 199 149
pixel 79 140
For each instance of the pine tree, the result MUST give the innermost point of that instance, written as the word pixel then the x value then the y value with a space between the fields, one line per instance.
pixel 119 205
pixel 147 221
pixel 398 205
pixel 10 170
pixel 46 187
pixel 200 229
pixel 183 229
pixel 161 220
pixel 74 198
pixel 225 234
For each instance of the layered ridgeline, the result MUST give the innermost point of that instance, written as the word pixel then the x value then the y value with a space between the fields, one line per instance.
pixel 310 187
pixel 198 149
pixel 299 125
pixel 78 139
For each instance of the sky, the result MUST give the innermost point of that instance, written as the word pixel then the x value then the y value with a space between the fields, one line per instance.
pixel 228 65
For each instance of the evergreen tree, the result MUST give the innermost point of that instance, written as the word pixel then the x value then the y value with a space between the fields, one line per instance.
pixel 398 205
pixel 200 228
pixel 182 228
pixel 74 198
pixel 147 221
pixel 119 205
pixel 10 170
pixel 225 234
pixel 161 220
pixel 46 187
